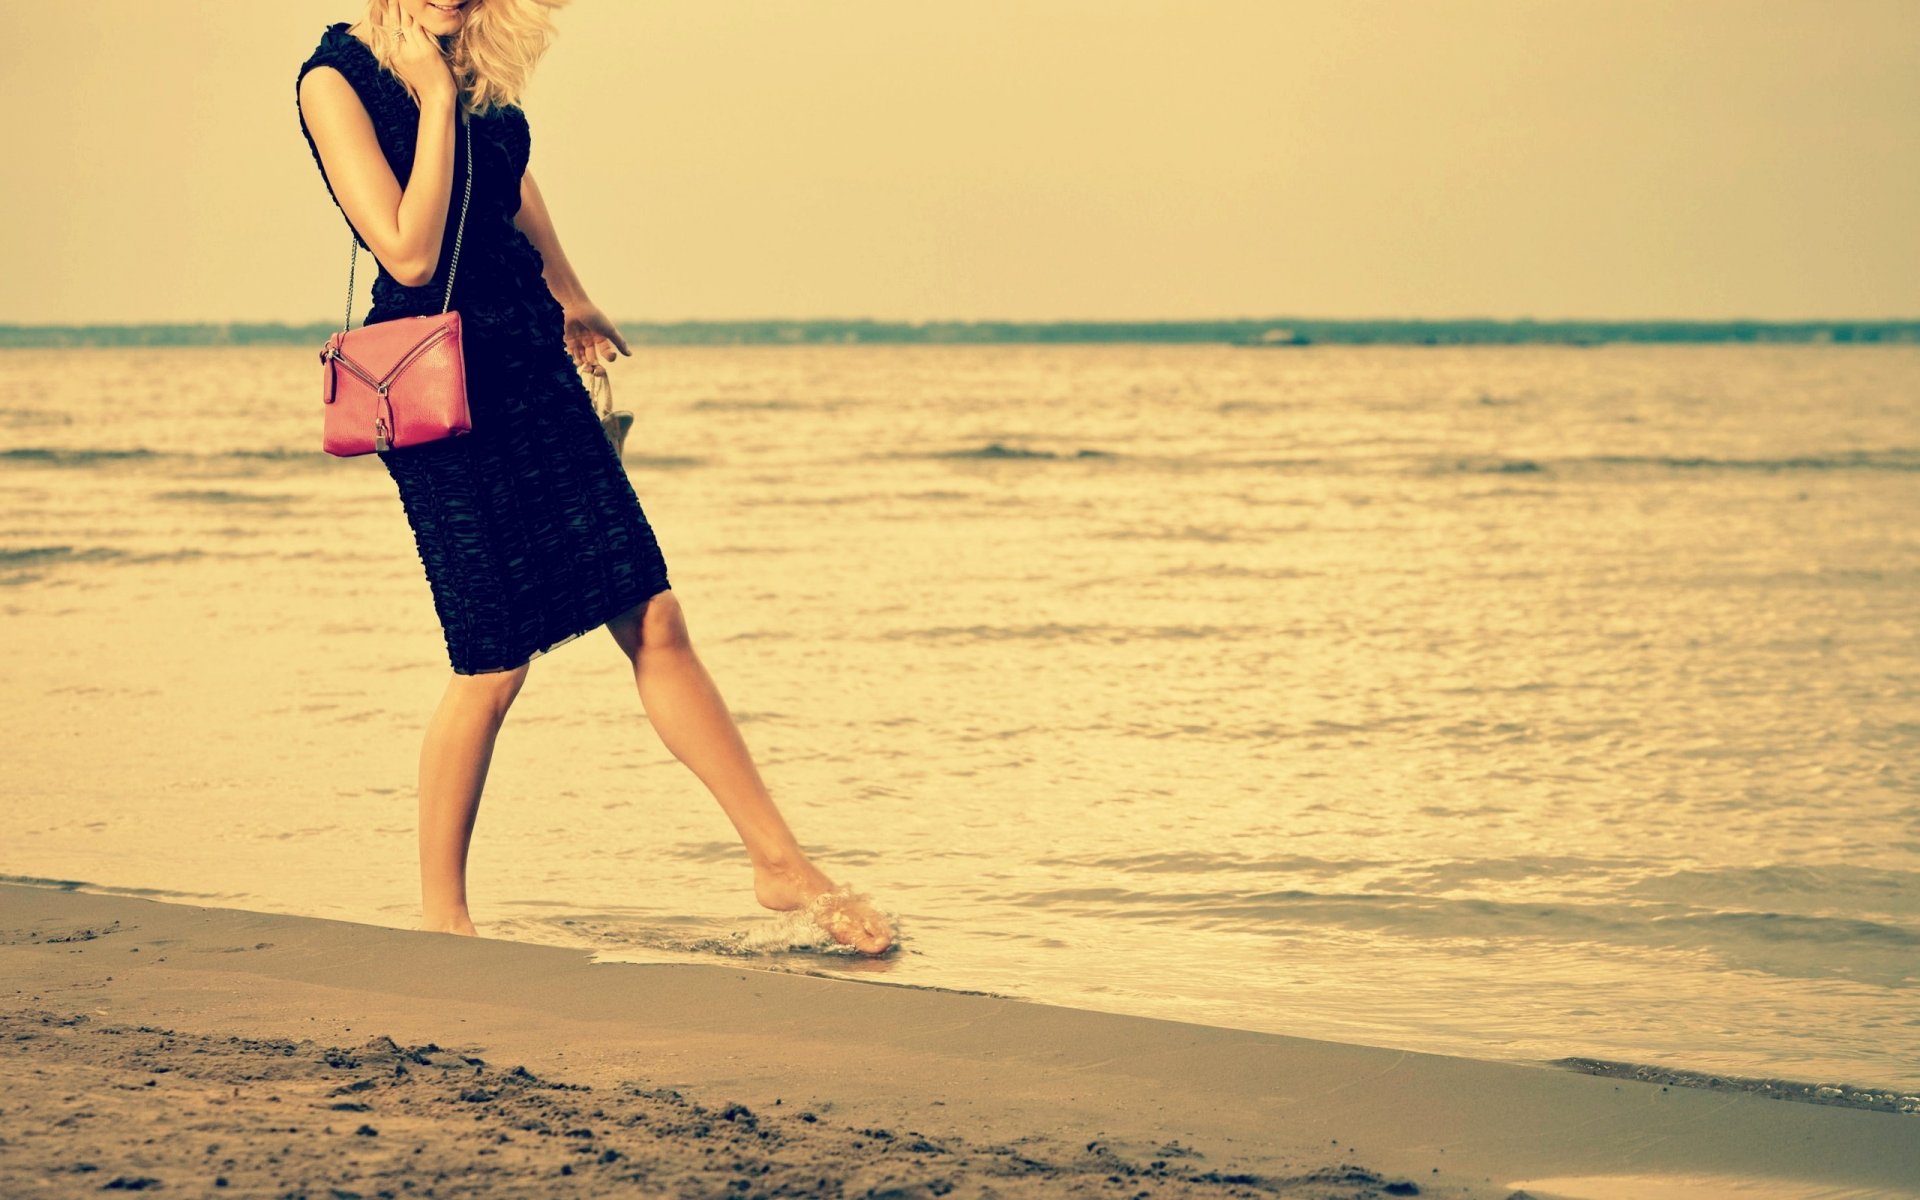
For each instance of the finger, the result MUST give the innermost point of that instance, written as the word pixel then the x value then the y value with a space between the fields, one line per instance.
pixel 619 341
pixel 610 336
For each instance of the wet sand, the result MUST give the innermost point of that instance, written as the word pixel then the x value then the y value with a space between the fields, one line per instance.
pixel 171 1047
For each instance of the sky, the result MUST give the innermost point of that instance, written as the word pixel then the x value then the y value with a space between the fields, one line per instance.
pixel 1029 159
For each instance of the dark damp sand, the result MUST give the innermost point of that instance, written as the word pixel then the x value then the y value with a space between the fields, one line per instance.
pixel 166 1047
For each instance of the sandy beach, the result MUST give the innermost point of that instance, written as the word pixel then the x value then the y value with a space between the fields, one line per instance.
pixel 189 1049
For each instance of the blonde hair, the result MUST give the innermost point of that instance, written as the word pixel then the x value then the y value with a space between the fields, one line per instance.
pixel 494 53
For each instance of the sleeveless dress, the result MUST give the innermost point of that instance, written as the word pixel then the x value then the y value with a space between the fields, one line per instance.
pixel 528 528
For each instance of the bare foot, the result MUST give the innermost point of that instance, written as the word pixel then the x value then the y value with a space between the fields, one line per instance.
pixel 457 923
pixel 851 919
pixel 847 916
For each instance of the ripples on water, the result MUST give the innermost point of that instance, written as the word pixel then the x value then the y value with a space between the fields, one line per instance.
pixel 1512 702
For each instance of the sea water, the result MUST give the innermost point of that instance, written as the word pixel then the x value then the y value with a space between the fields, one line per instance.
pixel 1518 702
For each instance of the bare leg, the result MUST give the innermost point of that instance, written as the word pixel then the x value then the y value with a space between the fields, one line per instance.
pixel 686 710
pixel 453 769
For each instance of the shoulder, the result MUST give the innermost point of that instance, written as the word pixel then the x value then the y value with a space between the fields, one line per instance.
pixel 343 75
pixel 329 50
pixel 344 54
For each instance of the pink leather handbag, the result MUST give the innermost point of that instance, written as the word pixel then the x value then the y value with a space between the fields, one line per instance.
pixel 398 383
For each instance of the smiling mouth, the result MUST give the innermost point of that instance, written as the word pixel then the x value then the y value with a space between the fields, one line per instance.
pixel 449 9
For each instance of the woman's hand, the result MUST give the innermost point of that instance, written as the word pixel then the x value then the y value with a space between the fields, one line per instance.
pixel 417 55
pixel 591 337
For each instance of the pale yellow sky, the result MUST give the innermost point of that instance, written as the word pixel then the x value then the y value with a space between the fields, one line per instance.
pixel 1029 159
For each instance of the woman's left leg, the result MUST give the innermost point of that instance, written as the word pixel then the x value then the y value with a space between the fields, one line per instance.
pixel 684 706
pixel 454 757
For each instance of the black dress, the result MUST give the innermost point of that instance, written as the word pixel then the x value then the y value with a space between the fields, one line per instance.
pixel 528 527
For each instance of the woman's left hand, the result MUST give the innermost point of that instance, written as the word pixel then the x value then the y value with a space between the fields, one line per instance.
pixel 591 338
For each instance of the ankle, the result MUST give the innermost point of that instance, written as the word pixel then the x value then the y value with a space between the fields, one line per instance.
pixel 444 916
pixel 786 864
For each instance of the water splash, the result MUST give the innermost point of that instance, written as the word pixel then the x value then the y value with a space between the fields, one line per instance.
pixel 807 929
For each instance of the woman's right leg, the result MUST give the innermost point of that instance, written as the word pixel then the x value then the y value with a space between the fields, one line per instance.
pixel 453 769
pixel 694 723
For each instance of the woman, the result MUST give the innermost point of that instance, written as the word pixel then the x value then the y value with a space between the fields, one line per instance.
pixel 528 529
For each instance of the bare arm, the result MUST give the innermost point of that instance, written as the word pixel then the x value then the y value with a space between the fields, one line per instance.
pixel 404 230
pixel 591 338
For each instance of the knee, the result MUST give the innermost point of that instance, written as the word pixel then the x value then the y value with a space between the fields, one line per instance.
pixel 491 690
pixel 663 624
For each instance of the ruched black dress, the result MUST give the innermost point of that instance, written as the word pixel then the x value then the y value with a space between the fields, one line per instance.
pixel 528 527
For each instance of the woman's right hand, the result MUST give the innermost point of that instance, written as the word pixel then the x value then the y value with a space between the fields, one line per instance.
pixel 417 56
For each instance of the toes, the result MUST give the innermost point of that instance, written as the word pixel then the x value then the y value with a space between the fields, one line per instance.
pixel 876 936
pixel 851 920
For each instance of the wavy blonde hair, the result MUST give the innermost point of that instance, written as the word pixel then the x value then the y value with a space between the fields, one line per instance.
pixel 493 55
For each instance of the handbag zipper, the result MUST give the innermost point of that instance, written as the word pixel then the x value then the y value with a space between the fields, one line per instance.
pixel 437 335
pixel 380 385
pixel 354 367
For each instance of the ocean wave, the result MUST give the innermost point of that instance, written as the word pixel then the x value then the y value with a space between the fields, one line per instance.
pixel 275 454
pixel 999 450
pixel 1222 570
pixel 1855 460
pixel 19 565
pixel 663 462
pixel 58 457
pixel 1878 952
pixel 1055 631
pixel 1497 466
pixel 1899 459
pixel 102 889
pixel 1382 460
pixel 223 496
pixel 1833 888
pixel 69 457
pixel 718 405
pixel 26 555
pixel 1202 862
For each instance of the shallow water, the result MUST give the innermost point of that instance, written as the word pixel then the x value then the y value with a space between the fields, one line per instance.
pixel 1511 702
